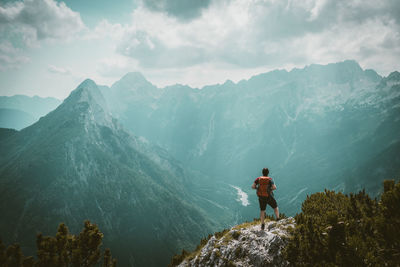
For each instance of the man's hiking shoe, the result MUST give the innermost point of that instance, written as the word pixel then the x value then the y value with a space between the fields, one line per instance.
pixel 277 219
pixel 262 226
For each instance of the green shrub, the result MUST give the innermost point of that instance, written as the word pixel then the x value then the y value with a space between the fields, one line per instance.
pixel 220 234
pixel 334 229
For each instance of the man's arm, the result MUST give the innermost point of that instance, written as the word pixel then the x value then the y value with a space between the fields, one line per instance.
pixel 254 186
pixel 273 187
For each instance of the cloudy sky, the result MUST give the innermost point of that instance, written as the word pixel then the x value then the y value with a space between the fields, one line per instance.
pixel 48 47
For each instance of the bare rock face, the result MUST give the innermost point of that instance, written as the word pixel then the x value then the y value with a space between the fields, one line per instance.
pixel 245 245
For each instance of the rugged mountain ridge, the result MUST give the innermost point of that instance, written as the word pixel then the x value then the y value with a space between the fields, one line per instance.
pixel 79 163
pixel 245 245
pixel 305 124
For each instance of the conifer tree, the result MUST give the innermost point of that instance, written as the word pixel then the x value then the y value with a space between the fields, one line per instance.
pixel 61 250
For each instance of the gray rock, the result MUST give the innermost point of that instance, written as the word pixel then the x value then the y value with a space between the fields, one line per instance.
pixel 246 245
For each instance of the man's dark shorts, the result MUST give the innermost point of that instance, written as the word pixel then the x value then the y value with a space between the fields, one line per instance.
pixel 267 200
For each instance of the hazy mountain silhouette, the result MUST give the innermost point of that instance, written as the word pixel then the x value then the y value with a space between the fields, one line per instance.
pixel 311 126
pixel 14 118
pixel 78 163
pixel 20 111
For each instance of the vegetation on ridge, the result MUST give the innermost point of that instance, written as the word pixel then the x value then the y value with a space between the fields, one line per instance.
pixel 334 229
pixel 63 250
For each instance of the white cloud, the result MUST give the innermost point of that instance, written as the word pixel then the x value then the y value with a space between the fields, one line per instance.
pixel 41 19
pixel 25 23
pixel 11 57
pixel 115 67
pixel 59 70
pixel 10 12
pixel 253 34
pixel 105 29
pixel 181 9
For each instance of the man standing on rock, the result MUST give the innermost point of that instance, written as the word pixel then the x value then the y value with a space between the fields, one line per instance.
pixel 265 185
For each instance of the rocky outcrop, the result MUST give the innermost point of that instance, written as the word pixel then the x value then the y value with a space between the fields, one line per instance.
pixel 245 245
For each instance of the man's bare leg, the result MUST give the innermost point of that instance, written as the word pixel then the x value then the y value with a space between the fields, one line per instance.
pixel 262 216
pixel 276 210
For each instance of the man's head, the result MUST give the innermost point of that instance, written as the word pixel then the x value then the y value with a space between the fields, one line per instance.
pixel 265 171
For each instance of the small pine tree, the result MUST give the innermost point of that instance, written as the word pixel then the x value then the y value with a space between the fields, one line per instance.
pixel 108 261
pixel 62 250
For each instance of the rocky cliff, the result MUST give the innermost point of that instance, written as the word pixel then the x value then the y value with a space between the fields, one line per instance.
pixel 244 245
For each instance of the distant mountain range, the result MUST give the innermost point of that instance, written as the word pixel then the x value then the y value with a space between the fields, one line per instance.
pixel 15 119
pixel 313 127
pixel 157 168
pixel 20 111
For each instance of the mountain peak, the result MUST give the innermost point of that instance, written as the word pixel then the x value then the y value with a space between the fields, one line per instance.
pixel 372 75
pixel 394 76
pixel 346 65
pixel 134 75
pixel 86 103
pixel 346 71
pixel 350 63
pixel 132 80
pixel 392 80
pixel 87 91
pixel 88 83
pixel 228 83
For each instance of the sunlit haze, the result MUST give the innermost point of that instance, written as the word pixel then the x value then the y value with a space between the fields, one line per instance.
pixel 48 47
